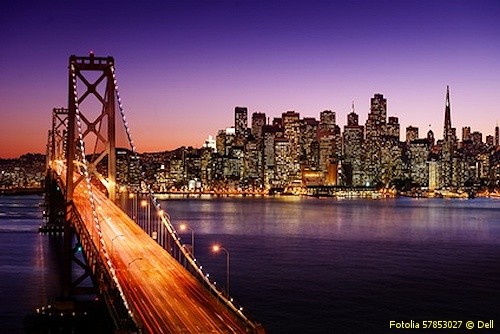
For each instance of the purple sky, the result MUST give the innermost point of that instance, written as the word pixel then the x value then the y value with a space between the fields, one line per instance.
pixel 183 66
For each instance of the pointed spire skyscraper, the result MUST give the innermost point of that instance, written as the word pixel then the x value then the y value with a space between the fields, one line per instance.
pixel 447 116
pixel 449 145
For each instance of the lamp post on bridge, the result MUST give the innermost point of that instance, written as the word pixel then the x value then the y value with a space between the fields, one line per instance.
pixel 147 214
pixel 128 266
pixel 216 248
pixel 160 227
pixel 113 242
pixel 134 212
pixel 184 227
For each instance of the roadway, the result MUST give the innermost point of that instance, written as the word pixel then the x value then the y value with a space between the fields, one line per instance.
pixel 163 295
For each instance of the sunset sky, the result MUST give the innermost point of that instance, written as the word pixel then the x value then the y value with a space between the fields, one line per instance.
pixel 183 66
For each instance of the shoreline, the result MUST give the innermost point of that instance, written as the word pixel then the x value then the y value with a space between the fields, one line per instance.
pixel 21 191
pixel 208 194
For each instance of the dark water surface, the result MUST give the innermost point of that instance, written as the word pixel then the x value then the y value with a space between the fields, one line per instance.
pixel 304 265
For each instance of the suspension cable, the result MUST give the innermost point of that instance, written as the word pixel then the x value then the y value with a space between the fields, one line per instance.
pixel 165 217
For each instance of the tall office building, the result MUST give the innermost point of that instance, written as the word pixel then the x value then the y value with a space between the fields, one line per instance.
pixel 268 158
pixel 353 150
pixel 497 136
pixel 375 131
pixel 466 133
pixel 291 132
pixel 240 121
pixel 258 122
pixel 392 129
pixel 283 162
pixel 326 121
pixel 449 145
pixel 308 143
pixel 377 118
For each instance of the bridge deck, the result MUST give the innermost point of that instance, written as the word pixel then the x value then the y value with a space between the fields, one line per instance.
pixel 160 291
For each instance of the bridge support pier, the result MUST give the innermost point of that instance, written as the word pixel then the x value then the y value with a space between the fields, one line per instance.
pixel 53 214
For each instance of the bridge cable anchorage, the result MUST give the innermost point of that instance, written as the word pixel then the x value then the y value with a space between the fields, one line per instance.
pixel 166 221
pixel 91 195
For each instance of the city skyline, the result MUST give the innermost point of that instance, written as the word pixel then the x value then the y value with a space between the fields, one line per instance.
pixel 183 67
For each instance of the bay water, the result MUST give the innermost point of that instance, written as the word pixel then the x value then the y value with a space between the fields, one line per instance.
pixel 303 265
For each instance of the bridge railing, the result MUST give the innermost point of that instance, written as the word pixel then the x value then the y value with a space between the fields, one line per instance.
pixel 145 210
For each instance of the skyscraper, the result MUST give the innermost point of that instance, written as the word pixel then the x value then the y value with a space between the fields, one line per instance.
pixel 291 131
pixel 240 121
pixel 326 121
pixel 447 115
pixel 258 121
pixel 353 150
pixel 449 145
pixel 375 136
pixel 497 136
pixel 466 133
pixel 392 129
pixel 377 118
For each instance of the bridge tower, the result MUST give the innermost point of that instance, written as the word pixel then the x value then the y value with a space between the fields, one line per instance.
pixel 90 120
pixel 56 147
pixel 84 69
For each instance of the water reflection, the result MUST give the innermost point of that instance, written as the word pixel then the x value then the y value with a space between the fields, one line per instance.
pixel 387 219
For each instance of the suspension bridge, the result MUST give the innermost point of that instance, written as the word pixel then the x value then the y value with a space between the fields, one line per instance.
pixel 150 281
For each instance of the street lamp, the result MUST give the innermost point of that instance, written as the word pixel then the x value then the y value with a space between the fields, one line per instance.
pixel 216 248
pixel 184 227
pixel 136 259
pixel 160 226
pixel 113 242
pixel 128 266
pixel 145 205
pixel 133 198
